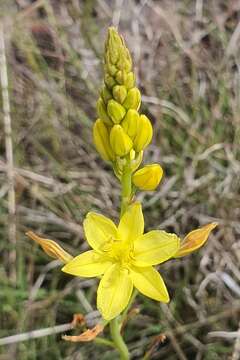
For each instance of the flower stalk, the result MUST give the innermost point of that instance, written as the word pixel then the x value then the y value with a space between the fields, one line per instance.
pixel 123 256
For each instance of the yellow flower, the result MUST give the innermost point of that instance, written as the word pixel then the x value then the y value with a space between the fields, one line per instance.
pixel 125 257
pixel 148 177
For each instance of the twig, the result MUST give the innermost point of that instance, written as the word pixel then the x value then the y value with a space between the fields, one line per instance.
pixel 9 156
pixel 35 334
pixel 236 349
pixel 224 334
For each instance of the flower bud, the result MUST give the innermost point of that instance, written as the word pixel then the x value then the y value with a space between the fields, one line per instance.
pixel 119 93
pixel 144 134
pixel 102 112
pixel 148 177
pixel 121 77
pixel 116 111
pixel 133 99
pixel 125 61
pixel 130 80
pixel 101 140
pixel 106 95
pixel 120 141
pixel 113 44
pixel 130 123
pixel 109 81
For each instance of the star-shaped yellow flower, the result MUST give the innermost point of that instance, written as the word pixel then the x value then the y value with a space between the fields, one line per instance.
pixel 125 257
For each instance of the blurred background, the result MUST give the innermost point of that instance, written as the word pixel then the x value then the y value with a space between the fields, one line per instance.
pixel 186 58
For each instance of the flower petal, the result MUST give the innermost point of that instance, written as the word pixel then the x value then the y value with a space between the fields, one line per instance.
pixel 194 240
pixel 132 223
pixel 155 247
pixel 114 292
pixel 98 230
pixel 88 264
pixel 150 283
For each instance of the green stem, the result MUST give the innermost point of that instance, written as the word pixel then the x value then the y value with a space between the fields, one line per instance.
pixel 115 327
pixel 126 187
pixel 118 340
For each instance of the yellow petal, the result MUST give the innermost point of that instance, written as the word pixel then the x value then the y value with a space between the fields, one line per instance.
pixel 132 223
pixel 150 283
pixel 155 247
pixel 50 247
pixel 195 239
pixel 88 264
pixel 99 230
pixel 114 292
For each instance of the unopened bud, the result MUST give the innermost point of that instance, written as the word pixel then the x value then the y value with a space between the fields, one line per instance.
pixel 148 177
pixel 120 141
pixel 109 81
pixel 133 99
pixel 144 134
pixel 119 93
pixel 106 95
pixel 102 112
pixel 116 111
pixel 130 123
pixel 130 80
pixel 121 77
pixel 102 141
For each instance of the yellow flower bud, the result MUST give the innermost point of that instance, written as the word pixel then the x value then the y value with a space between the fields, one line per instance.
pixel 144 134
pixel 113 44
pixel 130 123
pixel 116 111
pixel 121 77
pixel 102 112
pixel 106 95
pixel 101 140
pixel 109 81
pixel 148 177
pixel 133 99
pixel 125 61
pixel 120 141
pixel 119 93
pixel 130 80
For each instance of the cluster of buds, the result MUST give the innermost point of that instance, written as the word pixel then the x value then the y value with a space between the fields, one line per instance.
pixel 121 132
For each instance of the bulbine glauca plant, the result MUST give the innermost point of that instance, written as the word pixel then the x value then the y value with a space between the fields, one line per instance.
pixel 122 256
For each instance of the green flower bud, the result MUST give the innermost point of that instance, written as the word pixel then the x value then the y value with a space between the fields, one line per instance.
pixel 130 80
pixel 148 177
pixel 102 112
pixel 106 95
pixel 130 123
pixel 110 68
pixel 144 134
pixel 120 142
pixel 133 99
pixel 109 81
pixel 101 140
pixel 113 44
pixel 119 93
pixel 115 111
pixel 121 77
